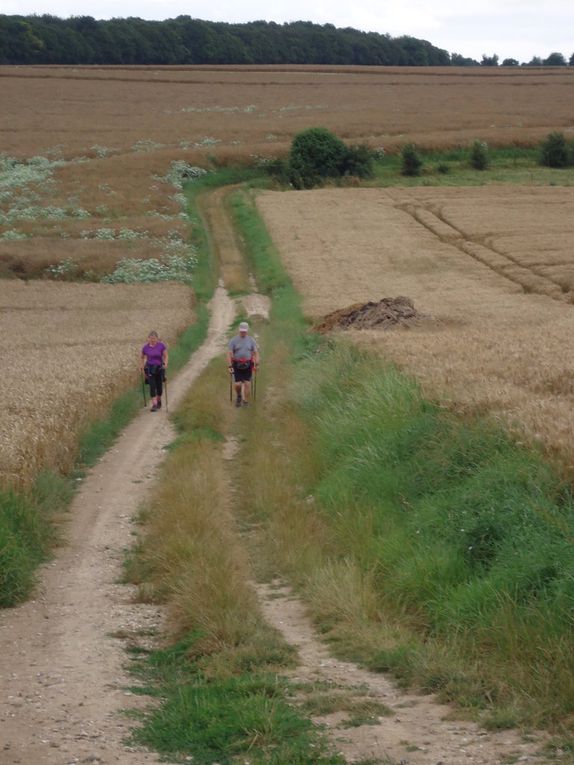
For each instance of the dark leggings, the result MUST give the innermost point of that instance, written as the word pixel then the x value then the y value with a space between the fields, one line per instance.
pixel 155 377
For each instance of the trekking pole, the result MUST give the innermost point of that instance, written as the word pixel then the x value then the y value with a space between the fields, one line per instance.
pixel 254 383
pixel 143 388
pixel 230 387
pixel 165 384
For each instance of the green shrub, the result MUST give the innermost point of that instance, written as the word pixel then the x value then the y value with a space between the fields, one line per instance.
pixel 479 158
pixel 554 151
pixel 316 154
pixel 359 161
pixel 443 168
pixel 411 160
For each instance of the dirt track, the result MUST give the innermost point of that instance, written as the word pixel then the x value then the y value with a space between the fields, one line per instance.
pixel 61 668
pixel 61 673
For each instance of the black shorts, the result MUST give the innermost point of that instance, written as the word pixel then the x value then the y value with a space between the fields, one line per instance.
pixel 242 375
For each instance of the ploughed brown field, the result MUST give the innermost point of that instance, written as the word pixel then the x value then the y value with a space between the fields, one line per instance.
pixel 492 268
pixel 239 111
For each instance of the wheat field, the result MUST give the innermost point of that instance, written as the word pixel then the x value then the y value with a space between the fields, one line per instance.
pixel 73 349
pixel 243 111
pixel 492 268
pixel 85 182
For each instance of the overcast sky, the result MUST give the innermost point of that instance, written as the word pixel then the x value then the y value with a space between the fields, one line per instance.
pixel 517 29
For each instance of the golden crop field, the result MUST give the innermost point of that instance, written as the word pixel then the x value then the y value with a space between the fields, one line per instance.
pixel 87 179
pixel 73 349
pixel 240 111
pixel 110 134
pixel 492 268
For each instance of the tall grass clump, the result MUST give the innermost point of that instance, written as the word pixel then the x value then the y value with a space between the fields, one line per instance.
pixel 411 160
pixel 466 536
pixel 554 151
pixel 479 158
pixel 27 534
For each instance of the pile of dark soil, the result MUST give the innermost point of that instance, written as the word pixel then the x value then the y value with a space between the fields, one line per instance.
pixel 387 313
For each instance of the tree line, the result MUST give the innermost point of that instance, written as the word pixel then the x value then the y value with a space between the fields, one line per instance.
pixel 47 39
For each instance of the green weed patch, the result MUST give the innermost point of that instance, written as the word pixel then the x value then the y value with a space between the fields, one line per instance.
pixel 27 534
pixel 245 718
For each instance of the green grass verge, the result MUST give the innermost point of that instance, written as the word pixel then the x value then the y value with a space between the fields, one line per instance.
pixel 258 246
pixel 27 533
pixel 507 165
pixel 427 545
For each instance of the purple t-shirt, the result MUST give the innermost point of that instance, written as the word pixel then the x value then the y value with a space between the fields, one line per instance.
pixel 154 353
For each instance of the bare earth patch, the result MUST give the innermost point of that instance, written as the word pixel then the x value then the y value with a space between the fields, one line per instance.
pixel 418 730
pixel 384 314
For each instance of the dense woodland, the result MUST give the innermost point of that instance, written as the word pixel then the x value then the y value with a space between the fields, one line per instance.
pixel 83 40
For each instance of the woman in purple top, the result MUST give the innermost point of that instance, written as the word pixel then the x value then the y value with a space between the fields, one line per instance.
pixel 153 364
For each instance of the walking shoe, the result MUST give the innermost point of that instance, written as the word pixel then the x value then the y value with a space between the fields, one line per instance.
pixel 238 401
pixel 158 405
pixel 154 408
pixel 246 403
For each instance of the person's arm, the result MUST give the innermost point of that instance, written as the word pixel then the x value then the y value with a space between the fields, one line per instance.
pixel 143 359
pixel 255 355
pixel 165 357
pixel 230 357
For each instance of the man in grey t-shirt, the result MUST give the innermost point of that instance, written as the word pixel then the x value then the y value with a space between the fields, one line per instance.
pixel 242 359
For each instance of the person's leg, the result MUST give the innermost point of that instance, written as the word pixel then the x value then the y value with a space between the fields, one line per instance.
pixel 247 387
pixel 152 390
pixel 238 385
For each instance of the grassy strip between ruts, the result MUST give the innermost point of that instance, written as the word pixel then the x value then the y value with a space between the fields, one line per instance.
pixel 206 274
pixel 426 545
pixel 222 697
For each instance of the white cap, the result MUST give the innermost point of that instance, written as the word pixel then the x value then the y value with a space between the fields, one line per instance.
pixel 244 326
